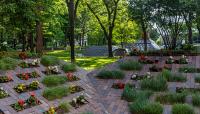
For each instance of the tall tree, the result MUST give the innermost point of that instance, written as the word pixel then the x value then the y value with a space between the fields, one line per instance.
pixel 140 11
pixel 72 10
pixel 111 7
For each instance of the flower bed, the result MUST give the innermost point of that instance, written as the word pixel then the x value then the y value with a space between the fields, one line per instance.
pixel 4 79
pixel 191 90
pixel 141 77
pixel 3 93
pixel 25 104
pixel 182 60
pixel 79 101
pixel 145 60
pixel 63 108
pixel 26 76
pixel 71 77
pixel 51 70
pixel 189 70
pixel 118 85
pixel 154 68
pixel 33 64
pixel 21 88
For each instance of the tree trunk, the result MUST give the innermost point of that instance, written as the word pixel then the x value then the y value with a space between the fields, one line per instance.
pixel 71 30
pixel 190 35
pixel 110 53
pixel 23 42
pixel 39 37
pixel 173 42
pixel 198 28
pixel 145 37
pixel 31 43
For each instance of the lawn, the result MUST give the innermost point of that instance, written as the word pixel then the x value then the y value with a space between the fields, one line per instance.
pixel 88 63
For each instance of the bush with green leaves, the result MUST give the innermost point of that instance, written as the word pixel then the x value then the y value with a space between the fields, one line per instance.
pixel 182 109
pixel 173 77
pixel 111 74
pixel 197 79
pixel 196 99
pixel 8 63
pixel 54 80
pixel 145 107
pixel 69 67
pixel 65 106
pixel 158 83
pixel 171 98
pixel 130 94
pixel 186 69
pixel 49 60
pixel 130 65
pixel 56 92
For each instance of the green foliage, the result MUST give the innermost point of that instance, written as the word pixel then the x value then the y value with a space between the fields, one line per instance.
pixel 54 80
pixel 113 74
pixel 171 98
pixel 156 84
pixel 173 77
pixel 130 65
pixel 65 106
pixel 69 67
pixel 8 63
pixel 197 79
pixel 186 69
pixel 56 92
pixel 49 60
pixel 130 94
pixel 145 107
pixel 187 47
pixel 182 109
pixel 196 99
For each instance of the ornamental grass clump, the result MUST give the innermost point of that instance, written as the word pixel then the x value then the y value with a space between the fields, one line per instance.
pixel 171 98
pixel 111 74
pixel 197 79
pixel 196 99
pixel 173 77
pixel 8 63
pixel 158 83
pixel 69 67
pixel 182 109
pixel 145 107
pixel 54 80
pixel 49 60
pixel 130 65
pixel 130 94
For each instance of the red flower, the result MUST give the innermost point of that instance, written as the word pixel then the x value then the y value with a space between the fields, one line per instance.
pixel 21 102
pixel 26 77
pixel 69 75
pixel 10 77
pixel 32 94
pixel 142 57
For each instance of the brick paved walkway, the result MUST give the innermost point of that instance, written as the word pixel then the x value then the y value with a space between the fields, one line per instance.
pixel 103 99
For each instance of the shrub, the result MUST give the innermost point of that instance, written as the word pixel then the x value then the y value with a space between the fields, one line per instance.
pixel 197 79
pixel 182 109
pixel 69 67
pixel 54 80
pixel 189 69
pixel 171 98
pixel 130 94
pixel 56 92
pixel 114 74
pixel 155 84
pixel 173 77
pixel 130 65
pixel 196 99
pixel 145 107
pixel 65 106
pixel 8 63
pixel 49 60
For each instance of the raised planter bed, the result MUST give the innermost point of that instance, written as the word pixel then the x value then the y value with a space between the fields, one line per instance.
pixel 21 88
pixel 3 93
pixel 25 104
pixel 79 101
pixel 5 79
pixel 26 76
pixel 28 65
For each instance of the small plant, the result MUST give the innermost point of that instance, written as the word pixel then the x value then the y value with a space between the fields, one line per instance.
pixel 154 68
pixel 114 74
pixel 145 107
pixel 69 67
pixel 3 93
pixel 79 101
pixel 182 109
pixel 8 63
pixel 26 76
pixel 23 55
pixel 49 60
pixel 156 84
pixel 20 88
pixel 189 70
pixel 4 79
pixel 173 77
pixel 171 98
pixel 130 65
pixel 64 106
pixel 118 85
pixel 51 70
pixel 197 79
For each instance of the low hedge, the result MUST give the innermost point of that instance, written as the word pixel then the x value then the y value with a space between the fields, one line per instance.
pixel 182 109
pixel 49 60
pixel 130 65
pixel 111 74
